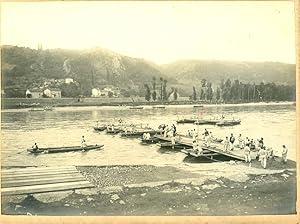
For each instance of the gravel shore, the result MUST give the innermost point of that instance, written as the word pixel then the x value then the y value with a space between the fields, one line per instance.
pixel 168 190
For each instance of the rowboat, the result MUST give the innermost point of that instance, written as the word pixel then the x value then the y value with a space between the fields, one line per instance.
pixel 159 107
pixel 136 107
pixel 100 128
pixel 151 140
pixel 228 122
pixel 115 131
pixel 36 109
pixel 198 105
pixel 65 149
pixel 138 133
pixel 186 120
pixel 170 145
pixel 41 109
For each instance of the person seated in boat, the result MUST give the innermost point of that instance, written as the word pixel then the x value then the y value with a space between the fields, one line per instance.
pixel 35 147
pixel 112 128
pixel 223 117
pixel 148 136
pixel 144 135
pixel 247 152
pixel 83 142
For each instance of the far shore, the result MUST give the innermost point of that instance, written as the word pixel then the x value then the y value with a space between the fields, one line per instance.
pixel 19 103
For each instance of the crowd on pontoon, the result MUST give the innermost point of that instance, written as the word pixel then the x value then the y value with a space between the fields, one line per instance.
pixel 263 153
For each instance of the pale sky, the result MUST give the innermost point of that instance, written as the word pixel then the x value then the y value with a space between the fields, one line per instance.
pixel 162 32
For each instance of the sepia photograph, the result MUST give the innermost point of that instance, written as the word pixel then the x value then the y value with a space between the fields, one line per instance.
pixel 155 108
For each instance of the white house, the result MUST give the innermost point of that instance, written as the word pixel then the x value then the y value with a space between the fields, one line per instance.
pixel 52 93
pixel 114 91
pixel 34 93
pixel 69 80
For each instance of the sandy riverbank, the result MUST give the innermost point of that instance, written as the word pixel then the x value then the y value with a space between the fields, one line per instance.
pixel 236 189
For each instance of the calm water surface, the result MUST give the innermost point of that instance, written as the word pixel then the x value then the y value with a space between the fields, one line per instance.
pixel 65 126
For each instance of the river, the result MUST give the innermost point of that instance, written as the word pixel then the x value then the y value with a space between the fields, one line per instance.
pixel 65 126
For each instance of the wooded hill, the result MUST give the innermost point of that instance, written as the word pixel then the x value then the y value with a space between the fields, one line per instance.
pixel 24 68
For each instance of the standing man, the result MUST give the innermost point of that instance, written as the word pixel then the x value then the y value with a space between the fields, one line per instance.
pixel 241 145
pixel 226 144
pixel 231 140
pixel 284 154
pixel 83 142
pixel 247 154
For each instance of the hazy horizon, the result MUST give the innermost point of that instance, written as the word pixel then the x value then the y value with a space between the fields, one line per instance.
pixel 159 32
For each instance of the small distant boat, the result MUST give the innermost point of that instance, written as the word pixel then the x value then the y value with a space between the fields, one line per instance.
pixel 36 109
pixel 41 109
pixel 65 149
pixel 114 131
pixel 159 107
pixel 100 128
pixel 136 107
pixel 186 120
pixel 206 121
pixel 198 105
pixel 228 122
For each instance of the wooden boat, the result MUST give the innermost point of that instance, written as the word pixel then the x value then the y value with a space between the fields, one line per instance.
pixel 115 131
pixel 37 109
pixel 228 122
pixel 138 132
pixel 136 107
pixel 100 128
pixel 41 109
pixel 65 149
pixel 152 140
pixel 201 122
pixel 198 105
pixel 186 121
pixel 170 145
pixel 159 107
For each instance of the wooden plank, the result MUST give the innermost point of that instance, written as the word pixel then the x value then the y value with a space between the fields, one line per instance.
pixel 36 170
pixel 226 153
pixel 8 178
pixel 4 169
pixel 45 188
pixel 40 181
pixel 39 174
pixel 74 175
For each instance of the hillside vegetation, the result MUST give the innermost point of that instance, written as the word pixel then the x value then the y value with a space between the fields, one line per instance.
pixel 24 68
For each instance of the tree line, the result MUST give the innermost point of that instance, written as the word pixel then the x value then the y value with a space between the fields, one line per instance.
pixel 162 94
pixel 238 92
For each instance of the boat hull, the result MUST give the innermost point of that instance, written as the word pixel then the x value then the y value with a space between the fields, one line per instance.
pixel 65 149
